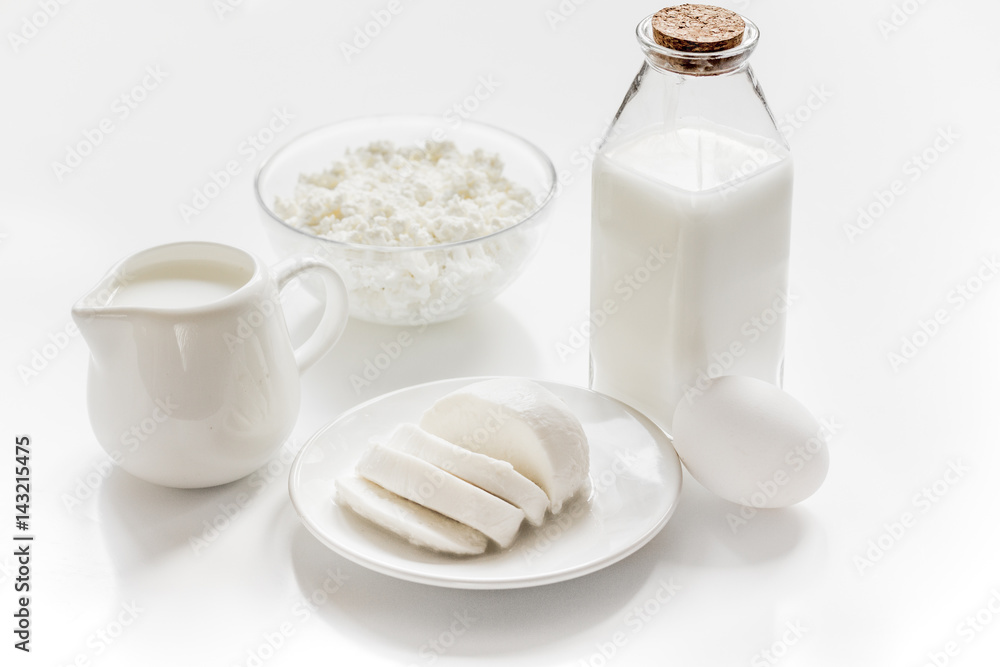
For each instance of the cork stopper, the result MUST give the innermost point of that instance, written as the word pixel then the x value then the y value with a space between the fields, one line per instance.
pixel 697 28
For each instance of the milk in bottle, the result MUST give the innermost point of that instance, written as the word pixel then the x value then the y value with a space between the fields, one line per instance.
pixel 690 229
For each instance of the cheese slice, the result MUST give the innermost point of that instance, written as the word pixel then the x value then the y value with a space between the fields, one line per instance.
pixel 435 489
pixel 409 520
pixel 489 474
pixel 521 422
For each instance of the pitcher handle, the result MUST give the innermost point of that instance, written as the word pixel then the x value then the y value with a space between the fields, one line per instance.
pixel 335 307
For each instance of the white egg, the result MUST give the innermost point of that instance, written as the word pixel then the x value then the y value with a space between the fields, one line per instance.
pixel 750 442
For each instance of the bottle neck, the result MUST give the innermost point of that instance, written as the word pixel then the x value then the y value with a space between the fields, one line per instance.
pixel 710 90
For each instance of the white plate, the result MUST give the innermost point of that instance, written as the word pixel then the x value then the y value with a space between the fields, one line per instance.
pixel 635 480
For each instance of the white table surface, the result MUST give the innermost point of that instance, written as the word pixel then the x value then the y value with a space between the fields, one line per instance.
pixel 112 557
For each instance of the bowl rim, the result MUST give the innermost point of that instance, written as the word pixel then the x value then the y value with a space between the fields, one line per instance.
pixel 388 118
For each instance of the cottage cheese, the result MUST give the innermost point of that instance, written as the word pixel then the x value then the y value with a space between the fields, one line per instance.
pixel 407 196
pixel 418 197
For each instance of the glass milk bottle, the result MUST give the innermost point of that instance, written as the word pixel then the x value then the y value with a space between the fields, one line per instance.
pixel 692 191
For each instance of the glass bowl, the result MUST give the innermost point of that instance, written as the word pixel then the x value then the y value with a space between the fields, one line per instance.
pixel 412 285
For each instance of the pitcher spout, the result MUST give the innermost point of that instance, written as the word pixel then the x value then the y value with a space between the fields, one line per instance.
pixel 96 318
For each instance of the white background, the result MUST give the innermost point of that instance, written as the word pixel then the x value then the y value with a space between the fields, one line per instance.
pixel 105 540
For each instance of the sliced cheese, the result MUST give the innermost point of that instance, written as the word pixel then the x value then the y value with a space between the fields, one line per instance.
pixel 407 519
pixel 497 477
pixel 521 422
pixel 435 489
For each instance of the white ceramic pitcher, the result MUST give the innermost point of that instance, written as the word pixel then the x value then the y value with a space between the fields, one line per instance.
pixel 193 380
